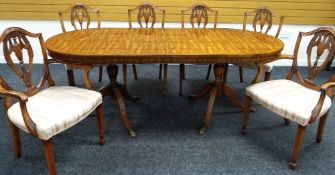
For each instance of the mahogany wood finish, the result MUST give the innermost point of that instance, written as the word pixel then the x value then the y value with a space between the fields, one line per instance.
pixel 200 13
pixel 16 42
pixel 79 15
pixel 148 13
pixel 323 39
pixel 126 46
pixel 262 22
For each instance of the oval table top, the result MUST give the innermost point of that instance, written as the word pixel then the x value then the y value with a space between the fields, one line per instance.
pixel 169 45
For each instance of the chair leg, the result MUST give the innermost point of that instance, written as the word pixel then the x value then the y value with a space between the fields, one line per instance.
pixel 125 77
pixel 246 112
pixel 208 71
pixel 16 139
pixel 160 71
pixel 298 140
pixel 49 156
pixel 100 73
pixel 240 69
pixel 100 118
pixel 321 127
pixel 70 77
pixel 267 76
pixel 165 83
pixel 134 71
pixel 181 78
pixel 287 121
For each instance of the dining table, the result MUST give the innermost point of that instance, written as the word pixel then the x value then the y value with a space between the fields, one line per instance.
pixel 111 46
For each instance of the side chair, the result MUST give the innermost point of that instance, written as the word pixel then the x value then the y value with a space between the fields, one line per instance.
pixel 199 13
pixel 80 14
pixel 147 12
pixel 301 101
pixel 262 21
pixel 42 112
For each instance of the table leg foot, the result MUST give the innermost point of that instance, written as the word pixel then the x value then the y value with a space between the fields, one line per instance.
pixel 202 131
pixel 132 134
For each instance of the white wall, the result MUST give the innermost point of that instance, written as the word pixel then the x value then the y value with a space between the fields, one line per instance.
pixel 288 34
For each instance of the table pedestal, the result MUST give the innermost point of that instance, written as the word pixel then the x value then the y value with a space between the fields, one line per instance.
pixel 217 88
pixel 118 91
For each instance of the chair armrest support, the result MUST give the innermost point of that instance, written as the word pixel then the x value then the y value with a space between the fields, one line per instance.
pixel 324 89
pixel 23 99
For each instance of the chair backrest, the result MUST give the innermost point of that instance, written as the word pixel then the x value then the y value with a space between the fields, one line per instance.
pixel 79 14
pixel 263 16
pixel 199 12
pixel 320 51
pixel 15 41
pixel 148 12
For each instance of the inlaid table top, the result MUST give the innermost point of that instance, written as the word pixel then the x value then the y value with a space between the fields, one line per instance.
pixel 120 45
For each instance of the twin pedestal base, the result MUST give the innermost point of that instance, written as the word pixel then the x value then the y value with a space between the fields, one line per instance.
pixel 217 88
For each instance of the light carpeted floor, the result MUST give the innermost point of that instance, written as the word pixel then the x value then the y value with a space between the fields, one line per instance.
pixel 167 139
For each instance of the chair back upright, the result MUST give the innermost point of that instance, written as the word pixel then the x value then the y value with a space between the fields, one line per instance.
pixel 263 16
pixel 320 51
pixel 199 14
pixel 17 48
pixel 148 13
pixel 80 14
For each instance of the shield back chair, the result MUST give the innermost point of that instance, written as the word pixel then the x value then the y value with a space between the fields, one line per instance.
pixel 39 111
pixel 262 22
pixel 147 18
pixel 302 101
pixel 199 18
pixel 80 18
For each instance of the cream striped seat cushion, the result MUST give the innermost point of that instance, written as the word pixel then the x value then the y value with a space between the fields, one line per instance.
pixel 288 99
pixel 267 67
pixel 56 109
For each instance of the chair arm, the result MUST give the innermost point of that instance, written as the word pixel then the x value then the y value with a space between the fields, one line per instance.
pixel 316 111
pixel 23 99
pixel 286 56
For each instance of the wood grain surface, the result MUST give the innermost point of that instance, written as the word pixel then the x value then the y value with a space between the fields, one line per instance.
pixel 141 46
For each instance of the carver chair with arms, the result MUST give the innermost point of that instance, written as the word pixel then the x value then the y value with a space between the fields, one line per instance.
pixel 148 13
pixel 80 18
pixel 199 14
pixel 303 101
pixel 263 19
pixel 41 112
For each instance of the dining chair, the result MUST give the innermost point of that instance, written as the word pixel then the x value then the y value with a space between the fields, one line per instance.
pixel 262 22
pixel 301 101
pixel 41 112
pixel 148 13
pixel 80 17
pixel 199 17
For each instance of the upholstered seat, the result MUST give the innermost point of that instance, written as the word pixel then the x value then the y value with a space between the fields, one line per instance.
pixel 55 109
pixel 288 99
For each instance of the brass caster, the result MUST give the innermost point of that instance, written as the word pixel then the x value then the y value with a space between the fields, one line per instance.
pixel 132 134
